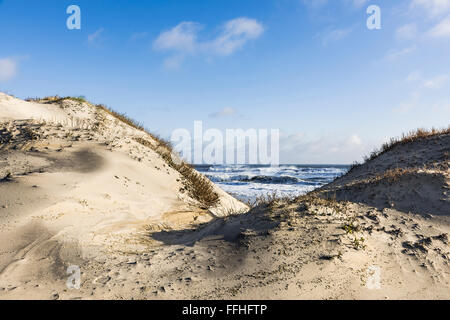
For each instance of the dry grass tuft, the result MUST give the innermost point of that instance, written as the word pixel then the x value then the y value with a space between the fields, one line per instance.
pixel 45 99
pixel 123 117
pixel 57 99
pixel 409 137
pixel 324 200
pixel 390 177
pixel 268 200
pixel 199 187
pixel 393 175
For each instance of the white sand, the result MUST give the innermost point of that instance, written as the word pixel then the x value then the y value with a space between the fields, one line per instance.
pixel 92 188
pixel 88 195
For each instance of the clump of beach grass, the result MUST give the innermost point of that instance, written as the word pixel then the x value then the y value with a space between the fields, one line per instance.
pixel 405 138
pixel 199 187
pixel 58 99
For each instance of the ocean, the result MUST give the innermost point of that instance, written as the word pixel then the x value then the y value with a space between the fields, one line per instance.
pixel 247 182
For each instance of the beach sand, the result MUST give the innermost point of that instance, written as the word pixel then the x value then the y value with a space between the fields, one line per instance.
pixel 77 188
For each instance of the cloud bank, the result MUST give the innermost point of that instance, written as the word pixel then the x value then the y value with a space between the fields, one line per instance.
pixel 183 39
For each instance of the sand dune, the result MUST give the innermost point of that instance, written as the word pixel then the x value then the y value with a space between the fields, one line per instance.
pixel 78 188
pixel 412 177
pixel 75 184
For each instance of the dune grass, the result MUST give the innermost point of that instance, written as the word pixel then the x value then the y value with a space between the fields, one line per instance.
pixel 57 99
pixel 199 187
pixel 268 200
pixel 124 118
pixel 405 138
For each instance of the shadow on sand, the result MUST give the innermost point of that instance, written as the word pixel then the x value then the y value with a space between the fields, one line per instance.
pixel 234 229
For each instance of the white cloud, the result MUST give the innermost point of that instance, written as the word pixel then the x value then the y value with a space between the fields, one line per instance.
pixel 335 35
pixel 421 86
pixel 8 68
pixel 436 82
pixel 225 112
pixel 355 140
pixel 432 7
pixel 235 34
pixel 411 103
pixel 398 53
pixel 329 148
pixel 443 106
pixel 182 39
pixel 423 102
pixel 442 29
pixel 94 38
pixel 408 31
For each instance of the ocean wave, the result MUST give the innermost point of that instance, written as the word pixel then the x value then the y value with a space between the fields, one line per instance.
pixel 273 179
pixel 227 177
pixel 251 181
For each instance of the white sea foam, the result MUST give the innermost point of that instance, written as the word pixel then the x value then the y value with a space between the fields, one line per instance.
pixel 250 182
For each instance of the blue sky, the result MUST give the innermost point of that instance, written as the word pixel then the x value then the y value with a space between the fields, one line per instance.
pixel 311 68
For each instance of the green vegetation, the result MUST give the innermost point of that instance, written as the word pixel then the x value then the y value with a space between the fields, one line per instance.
pixel 358 243
pixel 350 226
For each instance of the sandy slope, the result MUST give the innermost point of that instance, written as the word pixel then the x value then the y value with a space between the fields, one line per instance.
pixel 74 185
pixel 86 199
pixel 410 178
